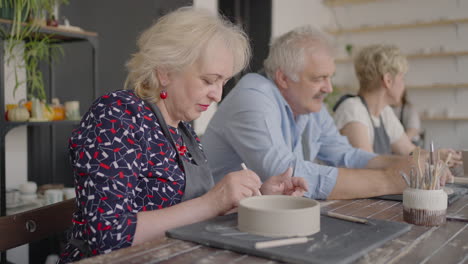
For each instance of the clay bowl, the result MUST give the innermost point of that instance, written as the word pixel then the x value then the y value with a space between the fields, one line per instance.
pixel 279 216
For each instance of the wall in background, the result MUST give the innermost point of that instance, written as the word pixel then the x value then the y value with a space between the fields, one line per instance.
pixel 437 39
pixel 16 145
pixel 16 140
pixel 201 123
pixel 290 14
pixel 119 23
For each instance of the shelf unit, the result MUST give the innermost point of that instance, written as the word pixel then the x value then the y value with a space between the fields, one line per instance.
pixel 442 22
pixel 438 86
pixel 63 36
pixel 444 118
pixel 415 87
pixel 417 56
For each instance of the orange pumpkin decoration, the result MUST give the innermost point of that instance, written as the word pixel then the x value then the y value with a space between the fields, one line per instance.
pixel 28 105
pixel 59 113
pixel 59 110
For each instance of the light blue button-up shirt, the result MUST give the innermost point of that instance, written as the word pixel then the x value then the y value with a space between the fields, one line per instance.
pixel 255 125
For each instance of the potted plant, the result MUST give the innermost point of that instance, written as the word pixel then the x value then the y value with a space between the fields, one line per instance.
pixel 37 47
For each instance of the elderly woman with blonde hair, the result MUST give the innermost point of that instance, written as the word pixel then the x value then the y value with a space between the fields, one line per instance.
pixel 139 167
pixel 367 119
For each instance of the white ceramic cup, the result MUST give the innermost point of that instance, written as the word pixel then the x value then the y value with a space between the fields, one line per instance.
pixel 69 193
pixel 52 259
pixel 424 207
pixel 28 187
pixel 12 197
pixel 29 197
pixel 53 196
pixel 72 110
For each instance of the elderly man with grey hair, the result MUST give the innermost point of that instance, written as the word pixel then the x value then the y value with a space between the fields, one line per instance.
pixel 276 121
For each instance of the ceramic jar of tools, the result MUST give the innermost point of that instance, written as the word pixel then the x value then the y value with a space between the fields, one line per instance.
pixel 424 207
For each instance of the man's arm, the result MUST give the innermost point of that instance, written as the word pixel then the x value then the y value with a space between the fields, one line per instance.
pixel 384 161
pixel 363 183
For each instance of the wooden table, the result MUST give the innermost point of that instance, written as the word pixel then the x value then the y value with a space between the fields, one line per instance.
pixel 444 244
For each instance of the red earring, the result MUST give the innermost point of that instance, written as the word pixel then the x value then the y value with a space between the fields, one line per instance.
pixel 163 94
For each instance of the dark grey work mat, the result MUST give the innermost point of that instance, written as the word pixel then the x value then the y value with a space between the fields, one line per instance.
pixel 338 241
pixel 458 191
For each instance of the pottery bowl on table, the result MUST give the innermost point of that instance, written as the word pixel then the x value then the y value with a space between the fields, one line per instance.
pixel 279 216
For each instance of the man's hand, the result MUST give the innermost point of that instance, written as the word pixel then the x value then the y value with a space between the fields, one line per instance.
pixel 285 184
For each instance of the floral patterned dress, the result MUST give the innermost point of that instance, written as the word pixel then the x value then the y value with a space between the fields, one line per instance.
pixel 122 164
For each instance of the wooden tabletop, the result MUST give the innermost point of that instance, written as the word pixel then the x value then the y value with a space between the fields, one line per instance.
pixel 444 244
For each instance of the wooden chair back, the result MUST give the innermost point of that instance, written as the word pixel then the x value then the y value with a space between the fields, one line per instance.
pixel 36 224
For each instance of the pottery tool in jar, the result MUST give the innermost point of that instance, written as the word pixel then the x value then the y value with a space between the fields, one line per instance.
pixel 425 201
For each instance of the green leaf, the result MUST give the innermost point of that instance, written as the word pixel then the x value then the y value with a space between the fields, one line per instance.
pixel 37 47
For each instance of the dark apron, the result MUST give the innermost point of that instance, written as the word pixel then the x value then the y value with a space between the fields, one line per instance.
pixel 401 115
pixel 381 140
pixel 198 178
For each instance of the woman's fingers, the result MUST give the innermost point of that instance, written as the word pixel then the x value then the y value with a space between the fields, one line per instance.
pixel 244 183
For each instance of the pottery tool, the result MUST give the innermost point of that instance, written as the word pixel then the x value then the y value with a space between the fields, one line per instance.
pixel 463 180
pixel 426 175
pixel 245 168
pixel 431 159
pixel 450 218
pixel 281 242
pixel 345 217
pixel 418 173
pixel 405 177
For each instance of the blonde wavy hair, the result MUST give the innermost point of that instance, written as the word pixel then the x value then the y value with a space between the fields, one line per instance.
pixel 374 61
pixel 288 51
pixel 177 41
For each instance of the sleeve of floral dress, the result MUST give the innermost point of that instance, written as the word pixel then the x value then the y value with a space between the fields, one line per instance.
pixel 105 154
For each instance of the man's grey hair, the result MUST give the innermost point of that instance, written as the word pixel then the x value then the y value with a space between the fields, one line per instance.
pixel 288 51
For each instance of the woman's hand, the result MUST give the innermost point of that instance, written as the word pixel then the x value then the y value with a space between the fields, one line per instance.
pixel 285 184
pixel 235 186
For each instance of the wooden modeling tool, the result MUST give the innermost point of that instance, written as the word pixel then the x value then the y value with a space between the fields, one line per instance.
pixel 463 180
pixel 450 218
pixel 346 217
